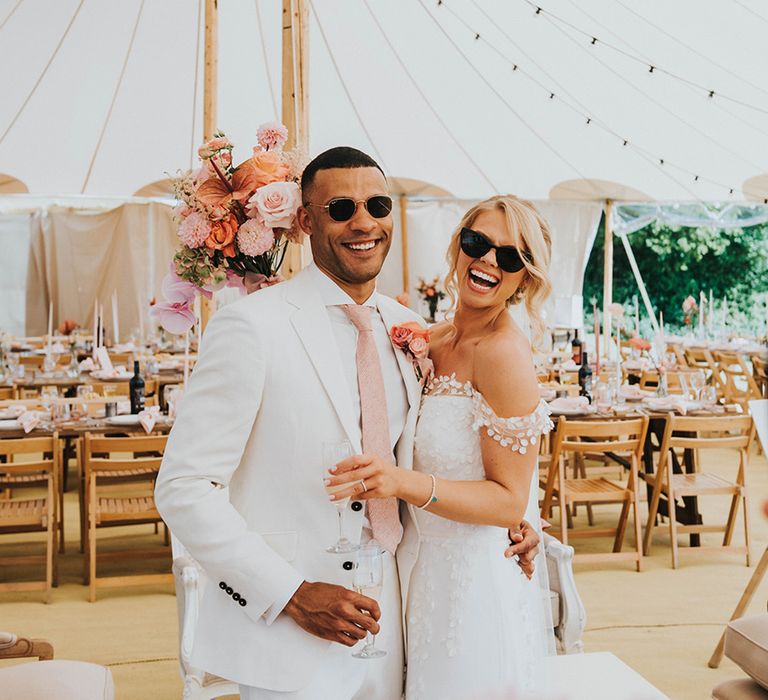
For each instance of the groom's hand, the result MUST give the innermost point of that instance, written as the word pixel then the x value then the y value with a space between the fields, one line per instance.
pixel 525 545
pixel 333 612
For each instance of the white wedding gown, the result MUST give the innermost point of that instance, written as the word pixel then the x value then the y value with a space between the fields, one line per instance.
pixel 477 627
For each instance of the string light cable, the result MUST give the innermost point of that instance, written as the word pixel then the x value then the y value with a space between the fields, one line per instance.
pixel 588 117
pixel 428 103
pixel 652 67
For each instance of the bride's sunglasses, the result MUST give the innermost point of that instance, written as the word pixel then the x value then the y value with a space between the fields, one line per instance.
pixel 476 245
pixel 344 208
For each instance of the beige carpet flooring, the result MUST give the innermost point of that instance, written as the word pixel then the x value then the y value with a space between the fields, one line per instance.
pixel 664 623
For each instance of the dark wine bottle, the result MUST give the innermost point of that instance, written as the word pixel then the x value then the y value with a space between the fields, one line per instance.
pixel 585 377
pixel 576 348
pixel 136 389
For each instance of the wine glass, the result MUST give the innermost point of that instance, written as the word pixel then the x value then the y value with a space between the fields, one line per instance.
pixel 333 453
pixel 697 380
pixel 369 575
pixel 709 395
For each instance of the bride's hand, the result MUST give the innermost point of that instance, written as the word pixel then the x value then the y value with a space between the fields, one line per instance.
pixel 368 476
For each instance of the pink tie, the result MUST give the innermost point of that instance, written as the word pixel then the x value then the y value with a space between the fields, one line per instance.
pixel 382 512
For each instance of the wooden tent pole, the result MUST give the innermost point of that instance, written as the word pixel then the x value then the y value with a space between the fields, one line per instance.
pixel 404 241
pixel 608 278
pixel 210 102
pixel 295 98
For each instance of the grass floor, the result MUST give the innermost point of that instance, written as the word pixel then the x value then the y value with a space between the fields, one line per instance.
pixel 664 623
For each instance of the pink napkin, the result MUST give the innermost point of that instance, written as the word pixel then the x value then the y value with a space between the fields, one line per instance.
pixel 15 410
pixel 148 417
pixel 570 403
pixel 29 420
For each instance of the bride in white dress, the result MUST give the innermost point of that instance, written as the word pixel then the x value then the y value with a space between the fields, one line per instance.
pixel 477 627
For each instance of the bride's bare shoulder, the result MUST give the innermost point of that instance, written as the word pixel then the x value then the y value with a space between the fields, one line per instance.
pixel 504 373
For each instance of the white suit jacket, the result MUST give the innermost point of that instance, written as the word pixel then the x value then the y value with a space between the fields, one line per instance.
pixel 267 390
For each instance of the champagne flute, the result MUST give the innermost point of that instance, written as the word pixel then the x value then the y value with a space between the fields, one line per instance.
pixel 369 575
pixel 333 453
pixel 697 381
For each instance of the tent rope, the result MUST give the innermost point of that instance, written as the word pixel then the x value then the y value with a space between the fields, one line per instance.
pixel 346 89
pixel 661 161
pixel 266 60
pixel 502 99
pixel 584 112
pixel 42 75
pixel 678 41
pixel 654 68
pixel 717 104
pixel 114 97
pixel 10 14
pixel 432 109
pixel 193 135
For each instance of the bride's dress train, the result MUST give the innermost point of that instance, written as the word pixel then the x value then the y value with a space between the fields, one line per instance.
pixel 477 627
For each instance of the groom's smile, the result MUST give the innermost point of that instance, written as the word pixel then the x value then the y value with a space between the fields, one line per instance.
pixel 350 251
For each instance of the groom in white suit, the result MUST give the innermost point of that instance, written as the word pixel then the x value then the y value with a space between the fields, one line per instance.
pixel 241 481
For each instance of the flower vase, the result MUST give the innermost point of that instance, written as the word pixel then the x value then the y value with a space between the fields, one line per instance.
pixel 432 304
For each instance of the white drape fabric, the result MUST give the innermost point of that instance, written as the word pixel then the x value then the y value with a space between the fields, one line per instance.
pixel 76 256
pixel 630 217
pixel 15 233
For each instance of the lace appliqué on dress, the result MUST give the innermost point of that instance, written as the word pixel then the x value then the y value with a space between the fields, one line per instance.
pixel 517 432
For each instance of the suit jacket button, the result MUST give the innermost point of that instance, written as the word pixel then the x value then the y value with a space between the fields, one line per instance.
pixel 347 566
pixel 230 590
pixel 356 506
pixel 223 585
pixel 243 602
pixel 235 596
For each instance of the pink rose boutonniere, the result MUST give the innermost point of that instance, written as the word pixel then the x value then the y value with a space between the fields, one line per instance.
pixel 413 340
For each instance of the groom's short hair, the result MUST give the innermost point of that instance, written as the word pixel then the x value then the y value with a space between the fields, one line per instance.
pixel 337 157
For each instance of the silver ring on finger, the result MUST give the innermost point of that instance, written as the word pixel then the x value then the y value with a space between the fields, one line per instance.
pixel 362 483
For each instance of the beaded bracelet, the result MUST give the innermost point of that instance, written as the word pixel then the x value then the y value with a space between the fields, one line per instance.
pixel 432 496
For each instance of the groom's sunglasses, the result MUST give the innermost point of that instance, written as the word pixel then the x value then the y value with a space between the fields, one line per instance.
pixel 344 208
pixel 476 245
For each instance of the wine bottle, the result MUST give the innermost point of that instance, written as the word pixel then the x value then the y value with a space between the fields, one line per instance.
pixel 136 389
pixel 585 377
pixel 576 348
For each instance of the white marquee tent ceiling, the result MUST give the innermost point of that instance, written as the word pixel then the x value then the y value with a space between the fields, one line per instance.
pixel 103 97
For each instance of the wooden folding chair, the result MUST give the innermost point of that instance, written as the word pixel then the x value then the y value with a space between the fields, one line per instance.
pixel 722 432
pixel 119 490
pixel 739 385
pixel 760 374
pixel 596 437
pixel 38 514
pixel 7 393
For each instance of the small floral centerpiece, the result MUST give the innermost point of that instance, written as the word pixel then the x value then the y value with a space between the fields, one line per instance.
pixel 413 340
pixel 690 311
pixel 234 222
pixel 67 326
pixel 432 294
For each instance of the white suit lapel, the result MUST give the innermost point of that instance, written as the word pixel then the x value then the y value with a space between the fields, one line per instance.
pixel 314 330
pixel 412 385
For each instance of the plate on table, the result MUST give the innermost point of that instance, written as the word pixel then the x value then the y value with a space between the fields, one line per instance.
pixel 130 419
pixel 10 424
pixel 117 376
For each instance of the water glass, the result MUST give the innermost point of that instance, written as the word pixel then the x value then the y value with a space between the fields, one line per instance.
pixel 368 579
pixel 603 396
pixel 697 381
pixel 709 395
pixel 333 453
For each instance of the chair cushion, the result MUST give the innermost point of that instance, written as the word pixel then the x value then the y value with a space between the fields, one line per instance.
pixel 741 689
pixel 746 644
pixel 56 680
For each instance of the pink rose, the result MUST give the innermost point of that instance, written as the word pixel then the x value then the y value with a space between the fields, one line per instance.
pixel 419 347
pixel 400 336
pixel 276 204
pixel 272 135
pixel 689 304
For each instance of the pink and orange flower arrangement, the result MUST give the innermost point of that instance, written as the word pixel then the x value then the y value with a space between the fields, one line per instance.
pixel 234 222
pixel 413 340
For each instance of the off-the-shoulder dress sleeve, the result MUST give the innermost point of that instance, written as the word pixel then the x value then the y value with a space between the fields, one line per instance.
pixel 517 432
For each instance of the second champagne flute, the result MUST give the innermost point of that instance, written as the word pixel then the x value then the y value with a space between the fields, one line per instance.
pixel 333 453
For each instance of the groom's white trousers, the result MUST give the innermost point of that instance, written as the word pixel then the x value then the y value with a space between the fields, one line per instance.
pixel 343 677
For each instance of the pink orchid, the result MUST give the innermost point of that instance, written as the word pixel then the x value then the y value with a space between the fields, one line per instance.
pixel 176 317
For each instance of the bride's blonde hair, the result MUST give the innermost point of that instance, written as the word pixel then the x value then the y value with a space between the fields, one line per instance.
pixel 524 221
